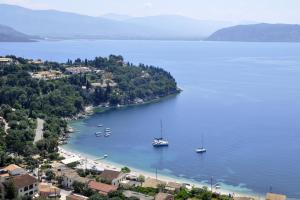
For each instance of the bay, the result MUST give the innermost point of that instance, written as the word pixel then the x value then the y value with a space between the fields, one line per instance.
pixel 243 98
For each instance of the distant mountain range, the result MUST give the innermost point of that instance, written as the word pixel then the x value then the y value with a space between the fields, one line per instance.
pixel 8 34
pixel 57 24
pixel 258 33
pixel 65 25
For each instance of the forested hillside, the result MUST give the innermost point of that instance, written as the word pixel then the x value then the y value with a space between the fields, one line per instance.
pixel 26 95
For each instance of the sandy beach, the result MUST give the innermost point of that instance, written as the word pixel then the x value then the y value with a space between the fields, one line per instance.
pixel 102 163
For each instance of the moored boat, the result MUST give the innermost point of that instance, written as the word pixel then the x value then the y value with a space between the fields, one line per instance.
pixel 201 149
pixel 160 142
pixel 106 134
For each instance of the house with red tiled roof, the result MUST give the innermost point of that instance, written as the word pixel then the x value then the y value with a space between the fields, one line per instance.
pixel 48 190
pixel 25 184
pixel 102 188
pixel 112 177
pixel 11 170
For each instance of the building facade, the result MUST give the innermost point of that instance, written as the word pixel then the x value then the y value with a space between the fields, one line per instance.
pixel 26 185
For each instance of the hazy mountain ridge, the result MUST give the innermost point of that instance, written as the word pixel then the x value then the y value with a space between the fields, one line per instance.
pixel 52 23
pixel 188 27
pixel 8 34
pixel 258 33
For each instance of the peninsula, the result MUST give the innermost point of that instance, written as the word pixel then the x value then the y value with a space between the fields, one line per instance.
pixel 54 92
pixel 8 34
pixel 258 33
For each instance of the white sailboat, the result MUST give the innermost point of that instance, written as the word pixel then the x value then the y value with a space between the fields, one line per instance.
pixel 160 142
pixel 201 149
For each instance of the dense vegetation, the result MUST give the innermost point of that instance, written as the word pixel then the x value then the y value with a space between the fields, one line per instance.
pixel 23 98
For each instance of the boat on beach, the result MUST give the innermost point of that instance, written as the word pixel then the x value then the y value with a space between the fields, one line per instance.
pixel 160 142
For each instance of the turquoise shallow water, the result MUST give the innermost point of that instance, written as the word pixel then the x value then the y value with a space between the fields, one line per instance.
pixel 243 97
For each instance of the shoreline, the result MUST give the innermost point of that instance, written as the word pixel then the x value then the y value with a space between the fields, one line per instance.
pixel 68 153
pixel 102 108
pixel 90 110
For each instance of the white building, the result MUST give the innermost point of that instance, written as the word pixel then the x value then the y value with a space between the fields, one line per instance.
pixel 113 177
pixel 69 176
pixel 5 60
pixel 26 185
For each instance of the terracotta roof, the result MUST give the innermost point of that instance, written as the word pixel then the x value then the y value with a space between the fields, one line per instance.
pixel 23 180
pixel 109 175
pixel 46 188
pixel 11 167
pixel 102 187
pixel 4 175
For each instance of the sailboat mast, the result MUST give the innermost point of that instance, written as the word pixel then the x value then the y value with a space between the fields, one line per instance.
pixel 161 136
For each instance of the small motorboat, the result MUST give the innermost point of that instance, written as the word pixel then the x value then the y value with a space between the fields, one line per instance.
pixel 200 150
pixel 100 125
pixel 160 142
pixel 107 135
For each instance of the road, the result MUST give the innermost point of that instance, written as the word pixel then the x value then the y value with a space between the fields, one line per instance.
pixel 39 130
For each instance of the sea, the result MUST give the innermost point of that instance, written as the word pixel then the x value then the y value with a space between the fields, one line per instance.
pixel 240 100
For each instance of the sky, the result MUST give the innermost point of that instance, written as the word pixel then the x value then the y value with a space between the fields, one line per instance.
pixel 272 11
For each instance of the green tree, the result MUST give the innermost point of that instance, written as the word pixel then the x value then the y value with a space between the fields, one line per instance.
pixel 98 197
pixel 182 194
pixel 78 187
pixel 50 175
pixel 11 190
pixel 141 178
pixel 125 170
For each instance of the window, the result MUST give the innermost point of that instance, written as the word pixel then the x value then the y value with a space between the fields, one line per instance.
pixel 31 186
pixel 31 192
pixel 26 188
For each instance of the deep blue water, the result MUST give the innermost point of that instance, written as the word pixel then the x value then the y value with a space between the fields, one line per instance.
pixel 243 97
